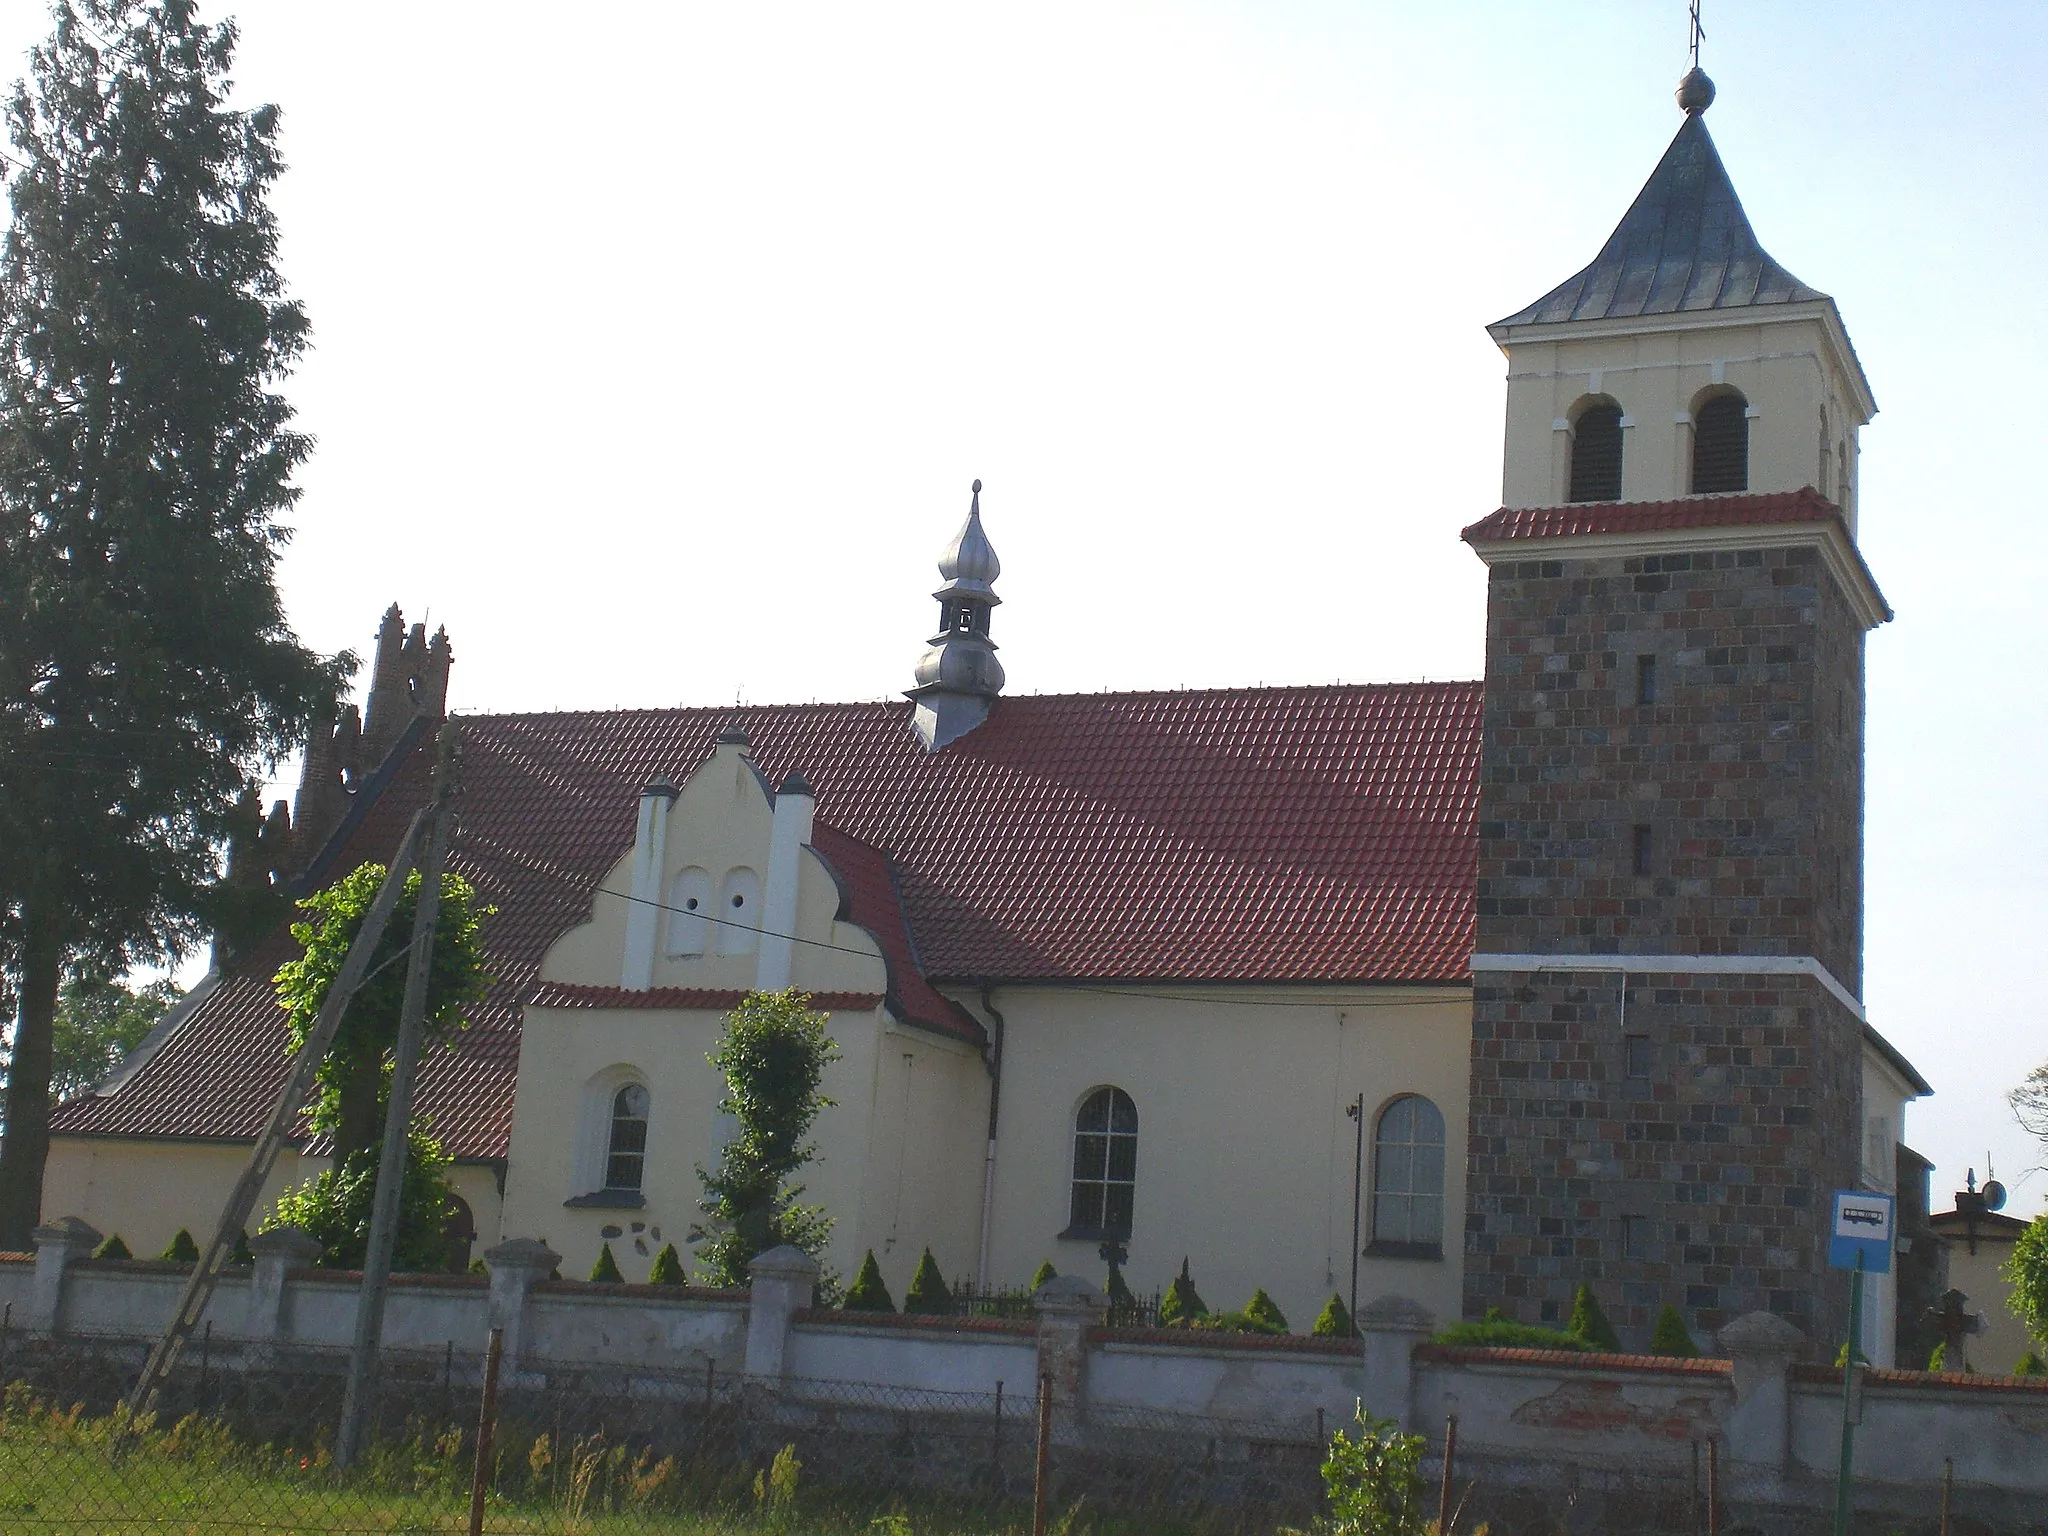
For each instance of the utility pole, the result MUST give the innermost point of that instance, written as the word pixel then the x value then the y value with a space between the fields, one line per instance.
pixel 398 1115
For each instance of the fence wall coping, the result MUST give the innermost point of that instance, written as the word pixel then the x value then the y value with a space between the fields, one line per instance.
pixel 601 1289
pixel 1573 1360
pixel 1216 1341
pixel 898 1322
pixel 1919 1383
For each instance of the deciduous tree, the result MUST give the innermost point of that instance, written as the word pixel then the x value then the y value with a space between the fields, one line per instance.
pixel 147 674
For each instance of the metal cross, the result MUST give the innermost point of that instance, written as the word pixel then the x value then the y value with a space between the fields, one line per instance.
pixel 1696 32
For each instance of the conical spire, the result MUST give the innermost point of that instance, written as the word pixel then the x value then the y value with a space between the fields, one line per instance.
pixel 958 677
pixel 1685 243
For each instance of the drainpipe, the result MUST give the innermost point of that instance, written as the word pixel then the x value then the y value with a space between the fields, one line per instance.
pixel 994 1058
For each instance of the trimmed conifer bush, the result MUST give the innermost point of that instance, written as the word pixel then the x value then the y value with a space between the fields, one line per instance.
pixel 1334 1321
pixel 1590 1323
pixel 1497 1331
pixel 182 1250
pixel 1043 1273
pixel 606 1270
pixel 242 1253
pixel 870 1293
pixel 1123 1306
pixel 668 1268
pixel 1182 1303
pixel 2031 1364
pixel 928 1295
pixel 112 1248
pixel 1261 1312
pixel 1671 1336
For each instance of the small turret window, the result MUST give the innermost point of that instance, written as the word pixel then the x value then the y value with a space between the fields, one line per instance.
pixel 1720 446
pixel 1596 454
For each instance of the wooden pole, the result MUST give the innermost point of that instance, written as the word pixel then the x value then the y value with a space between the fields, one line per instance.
pixel 486 1428
pixel 412 1015
pixel 1043 1466
pixel 1443 1498
pixel 1948 1489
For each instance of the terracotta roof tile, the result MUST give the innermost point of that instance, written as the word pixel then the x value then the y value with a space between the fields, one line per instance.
pixel 1275 834
pixel 1805 505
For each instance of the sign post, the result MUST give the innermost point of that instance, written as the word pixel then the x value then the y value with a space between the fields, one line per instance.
pixel 1860 1241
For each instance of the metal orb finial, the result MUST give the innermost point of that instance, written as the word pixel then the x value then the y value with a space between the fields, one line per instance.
pixel 1695 92
pixel 977 487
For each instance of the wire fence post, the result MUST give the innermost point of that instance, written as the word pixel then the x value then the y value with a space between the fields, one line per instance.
pixel 1443 1498
pixel 995 1445
pixel 1039 1490
pixel 6 1324
pixel 1948 1489
pixel 1713 1488
pixel 205 1360
pixel 486 1428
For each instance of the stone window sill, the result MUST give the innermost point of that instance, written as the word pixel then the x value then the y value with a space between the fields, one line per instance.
pixel 607 1199
pixel 1428 1252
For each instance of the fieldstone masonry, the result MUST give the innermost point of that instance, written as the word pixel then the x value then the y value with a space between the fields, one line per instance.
pixel 1672 764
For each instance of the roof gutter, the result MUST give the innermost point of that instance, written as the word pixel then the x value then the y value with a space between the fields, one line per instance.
pixel 993 1058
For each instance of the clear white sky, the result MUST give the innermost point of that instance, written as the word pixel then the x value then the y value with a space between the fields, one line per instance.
pixel 656 346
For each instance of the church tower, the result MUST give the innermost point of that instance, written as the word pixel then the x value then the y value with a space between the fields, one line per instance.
pixel 1667 1026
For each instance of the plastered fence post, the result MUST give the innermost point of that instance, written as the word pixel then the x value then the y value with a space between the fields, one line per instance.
pixel 277 1252
pixel 782 1281
pixel 58 1246
pixel 1067 1308
pixel 1391 1327
pixel 516 1266
pixel 1763 1348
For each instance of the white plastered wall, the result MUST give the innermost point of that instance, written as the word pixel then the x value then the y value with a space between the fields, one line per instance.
pixel 1245 1153
pixel 1885 1096
pixel 1789 368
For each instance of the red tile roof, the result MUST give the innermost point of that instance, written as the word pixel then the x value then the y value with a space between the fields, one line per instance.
pixel 1252 835
pixel 1805 505
pixel 556 994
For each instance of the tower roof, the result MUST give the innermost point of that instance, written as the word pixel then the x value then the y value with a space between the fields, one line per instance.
pixel 1684 245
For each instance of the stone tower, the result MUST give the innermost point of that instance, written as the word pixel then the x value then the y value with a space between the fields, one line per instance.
pixel 1667 1033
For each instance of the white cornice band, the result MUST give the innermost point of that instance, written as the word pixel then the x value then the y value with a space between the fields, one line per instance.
pixel 1680 965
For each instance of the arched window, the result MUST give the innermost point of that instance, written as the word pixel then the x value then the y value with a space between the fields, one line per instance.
pixel 1720 446
pixel 689 900
pixel 1596 453
pixel 739 913
pixel 1408 1180
pixel 626 1152
pixel 1105 1165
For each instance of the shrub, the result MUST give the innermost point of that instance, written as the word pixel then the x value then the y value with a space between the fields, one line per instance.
pixel 1372 1476
pixel 1181 1299
pixel 2031 1364
pixel 1496 1331
pixel 1671 1336
pixel 1263 1314
pixel 1938 1361
pixel 1334 1321
pixel 606 1270
pixel 478 1267
pixel 1842 1358
pixel 870 1292
pixel 2027 1272
pixel 334 1207
pixel 182 1250
pixel 928 1295
pixel 1043 1273
pixel 242 1253
pixel 1590 1323
pixel 112 1248
pixel 668 1268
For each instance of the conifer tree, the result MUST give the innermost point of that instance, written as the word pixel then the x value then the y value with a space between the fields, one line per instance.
pixel 1334 1321
pixel 112 1248
pixel 606 1270
pixel 668 1268
pixel 182 1249
pixel 2031 1364
pixel 1181 1303
pixel 148 677
pixel 870 1292
pixel 1043 1273
pixel 1671 1336
pixel 1590 1323
pixel 1263 1314
pixel 242 1253
pixel 928 1294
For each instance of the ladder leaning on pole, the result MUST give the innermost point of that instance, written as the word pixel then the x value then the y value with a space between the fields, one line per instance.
pixel 291 1099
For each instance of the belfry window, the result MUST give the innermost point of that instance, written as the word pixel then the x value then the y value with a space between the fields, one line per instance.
pixel 1596 454
pixel 1720 446
pixel 626 1152
pixel 1408 1180
pixel 1105 1165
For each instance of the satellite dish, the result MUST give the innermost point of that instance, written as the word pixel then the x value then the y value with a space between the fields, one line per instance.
pixel 1994 1195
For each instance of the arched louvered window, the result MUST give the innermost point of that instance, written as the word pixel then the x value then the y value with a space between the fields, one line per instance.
pixel 626 1153
pixel 1596 454
pixel 1408 1180
pixel 1105 1165
pixel 1720 446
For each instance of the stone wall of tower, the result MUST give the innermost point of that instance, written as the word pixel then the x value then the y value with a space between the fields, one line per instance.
pixel 1703 1182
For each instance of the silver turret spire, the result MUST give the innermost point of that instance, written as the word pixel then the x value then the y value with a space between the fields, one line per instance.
pixel 958 677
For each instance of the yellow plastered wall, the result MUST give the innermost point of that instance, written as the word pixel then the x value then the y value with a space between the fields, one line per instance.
pixel 146 1190
pixel 1245 1153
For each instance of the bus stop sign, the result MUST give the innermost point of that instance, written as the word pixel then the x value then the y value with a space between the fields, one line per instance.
pixel 1862 1234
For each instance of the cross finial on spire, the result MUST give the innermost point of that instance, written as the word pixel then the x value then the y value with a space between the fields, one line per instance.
pixel 1696 32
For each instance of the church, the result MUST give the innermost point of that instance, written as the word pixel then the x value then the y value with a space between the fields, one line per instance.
pixel 1465 993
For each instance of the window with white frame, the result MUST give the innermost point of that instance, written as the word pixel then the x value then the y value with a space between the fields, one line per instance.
pixel 1408 1180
